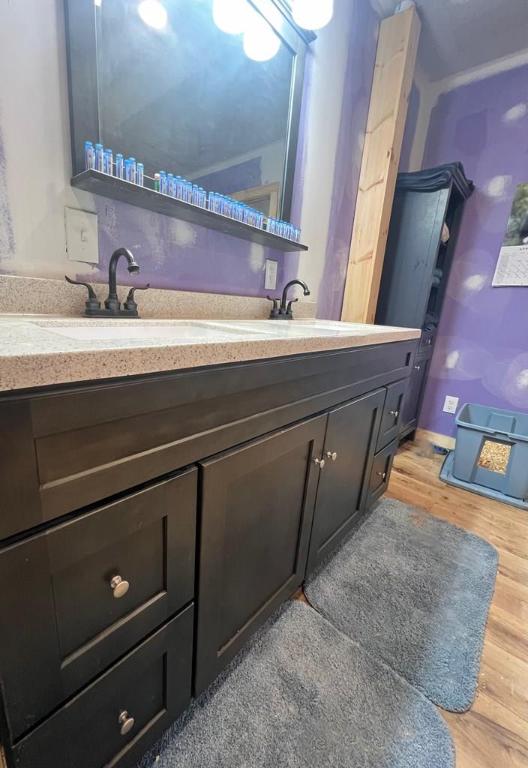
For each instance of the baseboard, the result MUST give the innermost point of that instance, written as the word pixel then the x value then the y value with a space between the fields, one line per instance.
pixel 435 438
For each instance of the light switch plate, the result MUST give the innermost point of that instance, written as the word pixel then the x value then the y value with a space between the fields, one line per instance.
pixel 450 404
pixel 81 236
pixel 270 281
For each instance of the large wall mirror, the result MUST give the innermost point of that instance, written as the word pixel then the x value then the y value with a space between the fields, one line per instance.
pixel 163 82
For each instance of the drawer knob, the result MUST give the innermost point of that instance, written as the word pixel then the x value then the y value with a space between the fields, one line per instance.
pixel 126 722
pixel 320 463
pixel 383 475
pixel 119 586
pixel 417 367
pixel 394 413
pixel 331 455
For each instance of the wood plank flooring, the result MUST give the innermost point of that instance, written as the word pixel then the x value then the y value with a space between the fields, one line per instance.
pixel 494 733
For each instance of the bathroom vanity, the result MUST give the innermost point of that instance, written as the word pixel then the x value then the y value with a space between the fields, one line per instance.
pixel 150 523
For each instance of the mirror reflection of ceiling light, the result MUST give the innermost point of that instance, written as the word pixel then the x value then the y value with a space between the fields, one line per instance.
pixel 260 41
pixel 153 13
pixel 312 14
pixel 230 15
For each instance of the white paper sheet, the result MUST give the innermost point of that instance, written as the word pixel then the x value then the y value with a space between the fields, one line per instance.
pixel 512 266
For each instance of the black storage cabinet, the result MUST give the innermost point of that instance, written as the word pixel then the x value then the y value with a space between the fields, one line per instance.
pixel 417 263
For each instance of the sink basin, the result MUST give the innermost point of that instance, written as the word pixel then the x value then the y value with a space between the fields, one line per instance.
pixel 296 328
pixel 177 333
pixel 188 332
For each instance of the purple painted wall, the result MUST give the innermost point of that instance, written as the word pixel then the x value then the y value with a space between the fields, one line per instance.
pixel 364 25
pixel 174 254
pixel 481 354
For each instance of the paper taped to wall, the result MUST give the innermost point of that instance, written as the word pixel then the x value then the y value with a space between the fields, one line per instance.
pixel 512 264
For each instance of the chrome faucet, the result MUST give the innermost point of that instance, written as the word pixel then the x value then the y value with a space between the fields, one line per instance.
pixel 112 304
pixel 284 311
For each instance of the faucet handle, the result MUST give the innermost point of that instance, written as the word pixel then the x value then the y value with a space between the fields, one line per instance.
pixel 275 309
pixel 130 302
pixel 289 313
pixel 92 301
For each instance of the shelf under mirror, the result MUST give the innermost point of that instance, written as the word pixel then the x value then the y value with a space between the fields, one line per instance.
pixel 117 189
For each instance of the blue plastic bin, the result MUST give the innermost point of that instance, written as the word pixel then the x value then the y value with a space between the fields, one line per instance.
pixel 477 424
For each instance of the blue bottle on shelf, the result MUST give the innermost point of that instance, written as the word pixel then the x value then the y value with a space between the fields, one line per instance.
pixel 120 166
pixel 108 162
pixel 89 155
pixel 99 158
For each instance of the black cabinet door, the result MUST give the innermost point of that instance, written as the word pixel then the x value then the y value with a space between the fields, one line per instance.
pixel 348 451
pixel 256 517
pixel 414 395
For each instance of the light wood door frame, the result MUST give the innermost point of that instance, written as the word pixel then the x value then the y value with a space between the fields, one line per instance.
pixel 393 76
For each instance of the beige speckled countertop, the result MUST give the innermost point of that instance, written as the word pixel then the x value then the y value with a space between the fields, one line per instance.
pixel 38 350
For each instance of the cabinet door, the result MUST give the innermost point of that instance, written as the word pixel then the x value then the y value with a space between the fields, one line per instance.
pixel 257 510
pixel 348 452
pixel 414 395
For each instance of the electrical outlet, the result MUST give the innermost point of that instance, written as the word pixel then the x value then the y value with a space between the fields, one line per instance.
pixel 270 280
pixel 81 236
pixel 450 404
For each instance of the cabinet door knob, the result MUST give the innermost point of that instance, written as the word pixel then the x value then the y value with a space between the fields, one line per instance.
pixel 320 463
pixel 119 586
pixel 417 367
pixel 126 722
pixel 394 413
pixel 331 455
pixel 383 475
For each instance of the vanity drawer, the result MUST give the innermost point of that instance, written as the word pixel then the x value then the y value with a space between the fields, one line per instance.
pixel 380 473
pixel 392 413
pixel 79 596
pixel 118 717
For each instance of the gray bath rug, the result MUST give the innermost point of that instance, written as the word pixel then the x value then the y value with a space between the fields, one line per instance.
pixel 305 696
pixel 415 592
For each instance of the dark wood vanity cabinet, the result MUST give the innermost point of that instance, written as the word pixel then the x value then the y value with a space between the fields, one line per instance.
pixel 149 526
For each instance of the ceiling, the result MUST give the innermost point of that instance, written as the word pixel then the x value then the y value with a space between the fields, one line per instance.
pixel 458 35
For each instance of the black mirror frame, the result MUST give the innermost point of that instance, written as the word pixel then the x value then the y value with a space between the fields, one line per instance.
pixel 81 44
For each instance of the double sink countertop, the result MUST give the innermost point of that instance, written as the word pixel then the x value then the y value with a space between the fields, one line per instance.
pixel 44 350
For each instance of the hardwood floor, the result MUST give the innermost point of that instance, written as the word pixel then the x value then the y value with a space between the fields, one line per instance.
pixel 494 733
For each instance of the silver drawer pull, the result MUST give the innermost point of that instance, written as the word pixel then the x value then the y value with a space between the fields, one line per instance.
pixel 394 413
pixel 126 722
pixel 119 586
pixel 383 475
pixel 417 367
pixel 320 463
pixel 331 455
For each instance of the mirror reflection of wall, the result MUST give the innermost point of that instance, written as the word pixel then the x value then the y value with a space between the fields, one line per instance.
pixel 185 98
